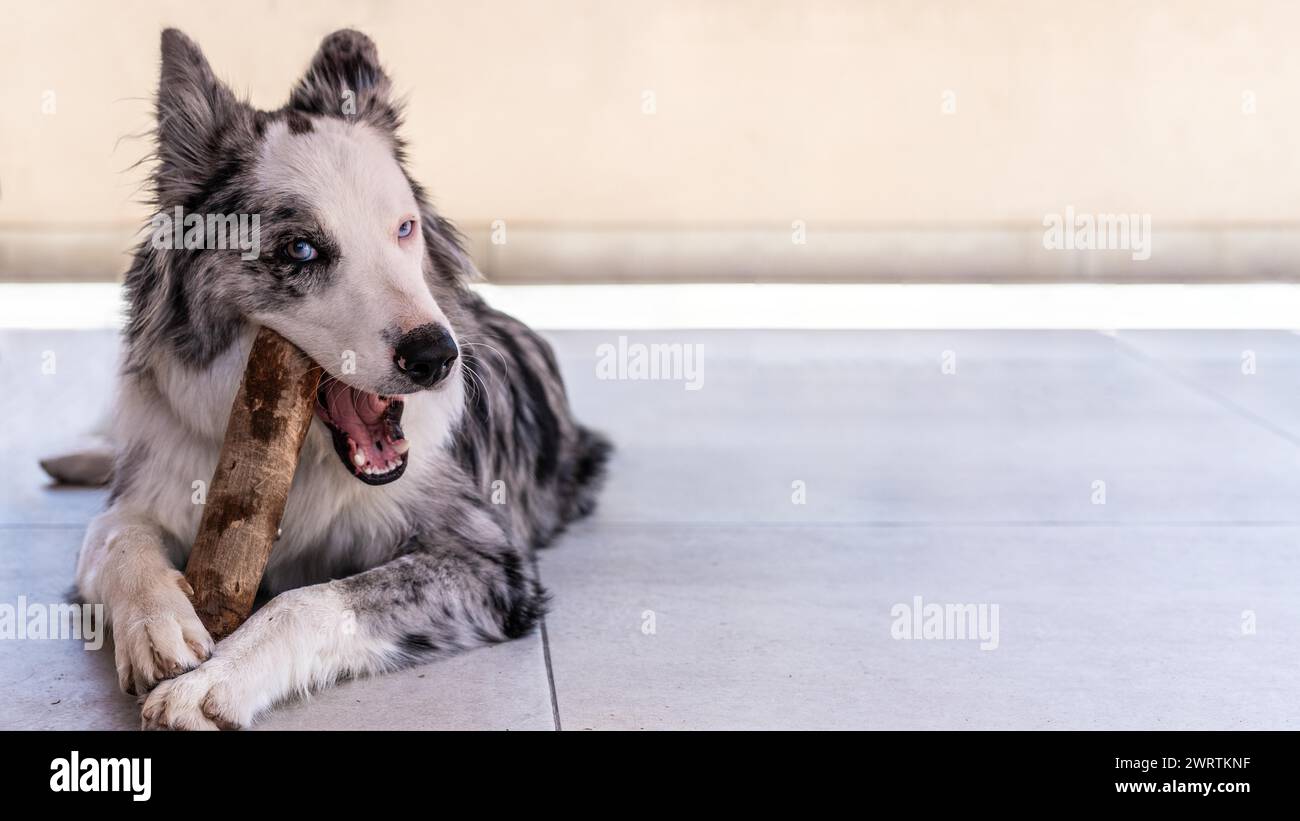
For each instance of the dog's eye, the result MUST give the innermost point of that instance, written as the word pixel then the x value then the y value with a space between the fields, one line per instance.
pixel 300 250
pixel 404 230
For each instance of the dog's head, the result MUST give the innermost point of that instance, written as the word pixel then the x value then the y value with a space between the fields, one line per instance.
pixel 333 245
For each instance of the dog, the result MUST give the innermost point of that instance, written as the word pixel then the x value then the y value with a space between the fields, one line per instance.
pixel 442 452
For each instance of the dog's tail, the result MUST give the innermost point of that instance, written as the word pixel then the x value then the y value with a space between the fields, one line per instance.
pixel 90 463
pixel 588 472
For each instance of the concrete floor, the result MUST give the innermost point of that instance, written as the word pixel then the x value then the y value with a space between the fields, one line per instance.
pixel 970 487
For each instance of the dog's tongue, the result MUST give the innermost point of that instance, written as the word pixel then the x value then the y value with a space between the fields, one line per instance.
pixel 350 407
pixel 371 423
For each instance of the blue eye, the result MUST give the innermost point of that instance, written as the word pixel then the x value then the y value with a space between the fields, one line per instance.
pixel 300 250
pixel 404 230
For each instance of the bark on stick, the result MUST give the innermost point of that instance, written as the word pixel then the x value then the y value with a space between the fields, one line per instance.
pixel 268 423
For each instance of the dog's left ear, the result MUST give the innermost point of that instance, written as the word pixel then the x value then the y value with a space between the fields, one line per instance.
pixel 346 80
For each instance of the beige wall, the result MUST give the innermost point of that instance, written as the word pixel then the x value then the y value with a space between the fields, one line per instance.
pixel 766 112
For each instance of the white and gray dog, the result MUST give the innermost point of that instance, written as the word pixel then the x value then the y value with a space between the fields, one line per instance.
pixel 392 549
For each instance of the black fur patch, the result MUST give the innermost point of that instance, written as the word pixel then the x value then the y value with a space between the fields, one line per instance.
pixel 534 418
pixel 299 123
pixel 417 645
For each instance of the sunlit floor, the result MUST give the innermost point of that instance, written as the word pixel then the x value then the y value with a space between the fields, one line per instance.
pixel 911 306
pixel 1128 501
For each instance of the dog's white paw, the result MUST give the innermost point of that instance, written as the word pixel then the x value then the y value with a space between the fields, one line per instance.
pixel 157 635
pixel 206 698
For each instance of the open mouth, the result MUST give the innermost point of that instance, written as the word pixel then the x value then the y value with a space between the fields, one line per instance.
pixel 367 431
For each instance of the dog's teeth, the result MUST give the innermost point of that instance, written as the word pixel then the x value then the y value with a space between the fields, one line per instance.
pixel 359 458
pixel 401 446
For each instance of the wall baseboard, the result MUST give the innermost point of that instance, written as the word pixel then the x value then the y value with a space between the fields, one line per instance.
pixel 563 254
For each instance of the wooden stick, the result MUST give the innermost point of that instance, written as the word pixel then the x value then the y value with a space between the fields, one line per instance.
pixel 241 519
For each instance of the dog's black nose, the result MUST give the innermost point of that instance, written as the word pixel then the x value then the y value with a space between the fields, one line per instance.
pixel 425 355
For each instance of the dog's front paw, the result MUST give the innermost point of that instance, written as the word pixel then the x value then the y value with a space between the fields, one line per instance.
pixel 157 635
pixel 206 698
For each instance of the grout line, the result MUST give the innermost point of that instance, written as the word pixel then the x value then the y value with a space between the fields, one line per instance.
pixel 44 525
pixel 901 524
pixel 831 523
pixel 1134 353
pixel 546 658
pixel 550 677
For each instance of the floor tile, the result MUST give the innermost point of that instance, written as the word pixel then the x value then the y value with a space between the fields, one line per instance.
pixel 503 687
pixel 1251 373
pixel 771 600
pixel 55 386
pixel 869 423
pixel 60 685
pixel 53 684
pixel 787 627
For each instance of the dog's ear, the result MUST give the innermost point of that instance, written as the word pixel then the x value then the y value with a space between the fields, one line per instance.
pixel 346 80
pixel 194 110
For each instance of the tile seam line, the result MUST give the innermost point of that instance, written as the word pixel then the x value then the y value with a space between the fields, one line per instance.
pixel 1134 353
pixel 546 657
pixel 864 524
pixel 902 525
pixel 43 526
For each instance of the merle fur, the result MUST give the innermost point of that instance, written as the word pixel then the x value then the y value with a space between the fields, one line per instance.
pixel 466 577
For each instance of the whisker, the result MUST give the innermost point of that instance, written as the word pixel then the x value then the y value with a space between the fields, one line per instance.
pixel 504 362
pixel 476 376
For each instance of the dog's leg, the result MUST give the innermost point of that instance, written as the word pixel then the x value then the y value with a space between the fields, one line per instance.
pixel 156 634
pixel 441 598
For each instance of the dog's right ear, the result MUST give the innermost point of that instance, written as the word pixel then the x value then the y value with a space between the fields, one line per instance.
pixel 193 108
